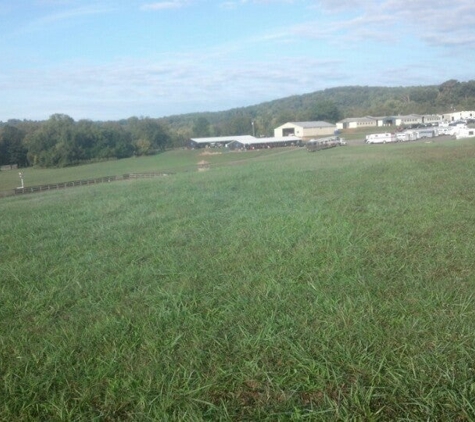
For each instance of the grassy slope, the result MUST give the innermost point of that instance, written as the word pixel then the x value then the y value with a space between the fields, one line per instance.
pixel 330 285
pixel 173 161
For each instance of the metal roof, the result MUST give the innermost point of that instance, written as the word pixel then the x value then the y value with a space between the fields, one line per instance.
pixel 272 140
pixel 378 117
pixel 215 139
pixel 358 119
pixel 311 124
pixel 408 116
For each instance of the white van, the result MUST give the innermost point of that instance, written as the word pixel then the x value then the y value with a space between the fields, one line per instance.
pixel 380 138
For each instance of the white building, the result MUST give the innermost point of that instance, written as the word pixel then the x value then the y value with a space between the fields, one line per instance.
pixel 217 141
pixel 410 119
pixel 357 122
pixel 458 115
pixel 263 143
pixel 305 130
pixel 431 119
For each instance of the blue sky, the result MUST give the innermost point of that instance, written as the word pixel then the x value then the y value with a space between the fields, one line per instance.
pixel 108 60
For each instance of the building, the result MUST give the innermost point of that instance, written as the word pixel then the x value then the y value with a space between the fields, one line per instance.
pixel 305 130
pixel 431 119
pixel 357 122
pixel 217 141
pixel 408 120
pixel 380 121
pixel 458 115
pixel 262 143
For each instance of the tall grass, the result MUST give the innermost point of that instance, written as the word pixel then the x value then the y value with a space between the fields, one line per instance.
pixel 296 286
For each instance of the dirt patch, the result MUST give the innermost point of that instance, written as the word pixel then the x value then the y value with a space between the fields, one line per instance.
pixel 210 153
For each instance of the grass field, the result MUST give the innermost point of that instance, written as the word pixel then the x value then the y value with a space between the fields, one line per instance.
pixel 336 285
pixel 173 161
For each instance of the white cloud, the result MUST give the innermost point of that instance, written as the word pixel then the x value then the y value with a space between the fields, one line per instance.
pixel 53 2
pixel 74 13
pixel 186 83
pixel 233 4
pixel 346 30
pixel 163 5
pixel 377 42
pixel 229 5
pixel 44 22
pixel 435 22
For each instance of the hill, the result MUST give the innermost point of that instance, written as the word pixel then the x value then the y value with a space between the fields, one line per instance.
pixel 331 105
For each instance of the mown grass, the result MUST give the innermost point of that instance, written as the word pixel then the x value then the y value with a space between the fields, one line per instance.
pixel 296 286
pixel 171 161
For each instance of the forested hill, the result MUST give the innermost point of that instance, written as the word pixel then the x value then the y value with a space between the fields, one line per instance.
pixel 60 141
pixel 331 105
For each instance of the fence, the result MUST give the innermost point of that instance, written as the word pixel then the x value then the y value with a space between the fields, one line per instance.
pixel 144 175
pixel 54 186
pixel 63 185
pixel 9 167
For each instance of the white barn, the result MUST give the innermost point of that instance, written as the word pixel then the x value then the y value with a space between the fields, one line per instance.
pixel 305 130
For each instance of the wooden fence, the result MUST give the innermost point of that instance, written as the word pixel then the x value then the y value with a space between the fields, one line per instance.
pixel 9 167
pixel 144 175
pixel 54 186
pixel 63 185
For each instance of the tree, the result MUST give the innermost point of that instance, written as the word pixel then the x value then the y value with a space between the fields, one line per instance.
pixel 284 117
pixel 325 110
pixel 201 127
pixel 148 135
pixel 17 152
pixel 50 145
pixel 116 141
pixel 423 94
pixel 238 125
pixel 61 142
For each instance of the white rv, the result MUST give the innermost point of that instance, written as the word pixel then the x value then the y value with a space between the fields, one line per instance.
pixel 402 137
pixel 465 133
pixel 407 135
pixel 425 133
pixel 380 138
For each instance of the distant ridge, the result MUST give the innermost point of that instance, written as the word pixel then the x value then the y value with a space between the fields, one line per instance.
pixel 333 104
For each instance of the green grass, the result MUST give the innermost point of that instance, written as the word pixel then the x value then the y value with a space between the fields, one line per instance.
pixel 172 161
pixel 336 285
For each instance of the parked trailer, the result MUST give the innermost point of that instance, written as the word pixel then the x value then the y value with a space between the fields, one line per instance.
pixel 425 133
pixel 380 138
pixel 324 143
pixel 402 137
pixel 463 133
pixel 407 135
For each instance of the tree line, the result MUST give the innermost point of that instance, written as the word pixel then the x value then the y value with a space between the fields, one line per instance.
pixel 60 141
